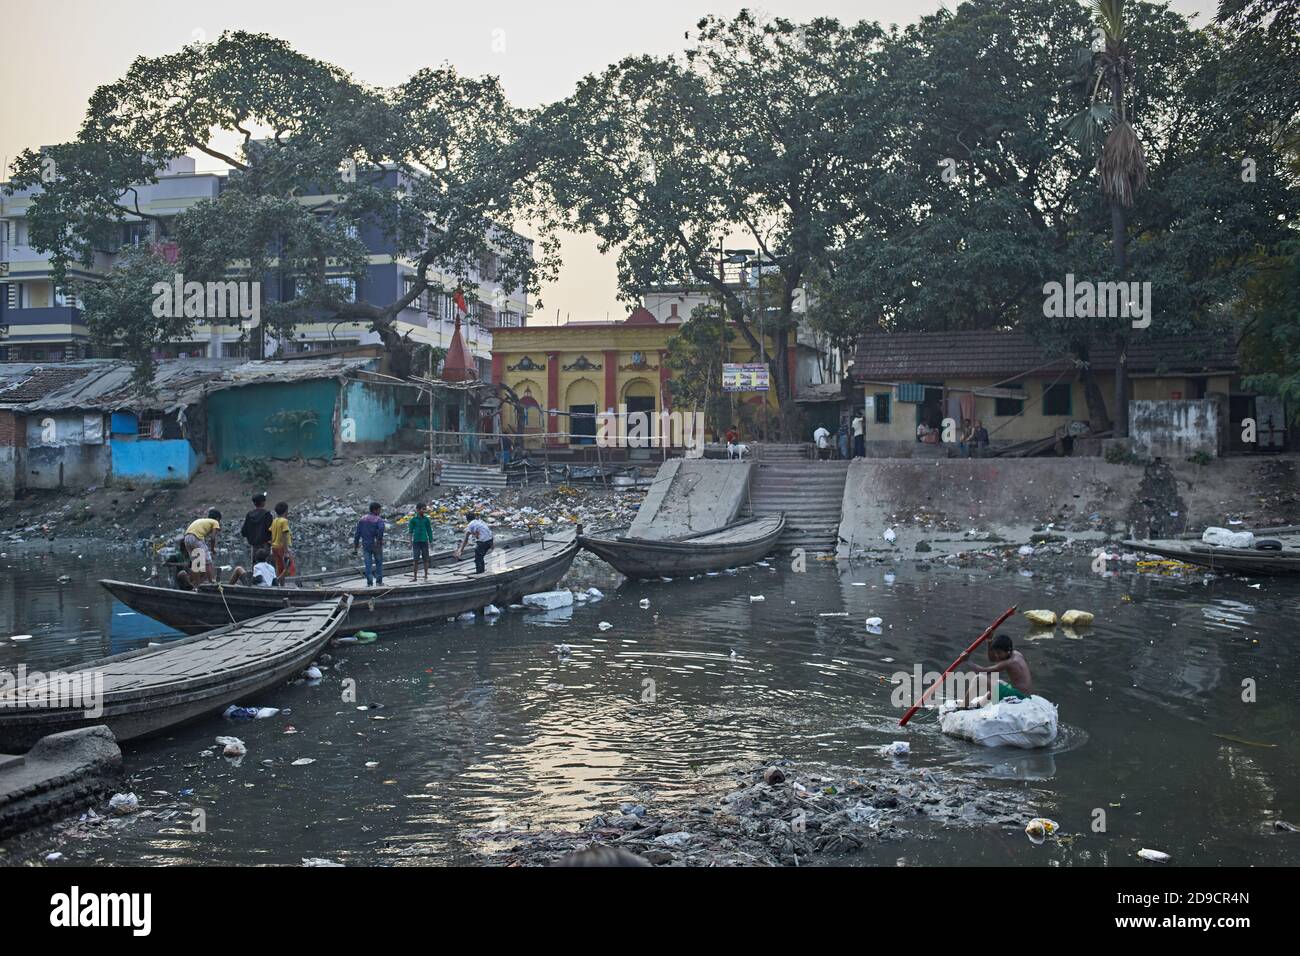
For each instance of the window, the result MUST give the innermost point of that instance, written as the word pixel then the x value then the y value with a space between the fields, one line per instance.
pixel 1056 399
pixel 149 425
pixel 1005 407
pixel 346 285
pixel 882 407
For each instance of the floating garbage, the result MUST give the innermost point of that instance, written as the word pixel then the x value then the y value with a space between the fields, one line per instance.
pixel 491 611
pixel 563 650
pixel 1025 551
pixel 303 761
pixel 604 625
pixel 312 673
pixel 889 535
pixel 1076 618
pixel 233 746
pixel 1155 856
pixel 366 637
pixel 596 594
pixel 875 621
pixel 319 861
pixel 1042 618
pixel 124 803
pixel 645 603
pixel 755 598
pixel 467 616
pixel 549 600
pixel 1040 828
pixel 21 637
pixel 896 749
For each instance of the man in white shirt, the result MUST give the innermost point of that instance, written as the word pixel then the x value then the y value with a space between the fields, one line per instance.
pixel 823 439
pixel 482 534
pixel 859 436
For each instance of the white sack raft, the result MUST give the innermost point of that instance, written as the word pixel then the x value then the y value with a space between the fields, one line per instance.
pixel 1015 722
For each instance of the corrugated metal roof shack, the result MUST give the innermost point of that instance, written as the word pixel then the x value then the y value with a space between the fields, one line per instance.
pixel 94 426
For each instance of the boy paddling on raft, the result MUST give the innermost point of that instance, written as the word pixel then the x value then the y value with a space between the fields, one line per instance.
pixel 1014 680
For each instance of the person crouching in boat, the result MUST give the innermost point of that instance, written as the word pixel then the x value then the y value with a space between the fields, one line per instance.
pixel 482 535
pixel 1014 679
pixel 200 544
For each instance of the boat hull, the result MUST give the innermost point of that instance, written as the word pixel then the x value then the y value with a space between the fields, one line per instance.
pixel 1236 560
pixel 135 716
pixel 642 558
pixel 373 609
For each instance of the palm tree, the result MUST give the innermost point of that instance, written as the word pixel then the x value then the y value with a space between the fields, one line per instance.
pixel 1121 165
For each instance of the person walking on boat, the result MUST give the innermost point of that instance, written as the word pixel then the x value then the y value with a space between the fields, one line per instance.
pixel 257 525
pixel 482 534
pixel 370 536
pixel 421 537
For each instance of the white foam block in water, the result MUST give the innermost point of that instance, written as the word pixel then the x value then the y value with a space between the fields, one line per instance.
pixel 21 637
pixel 549 600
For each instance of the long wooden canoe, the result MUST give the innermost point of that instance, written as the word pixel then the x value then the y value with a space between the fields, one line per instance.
pixel 741 542
pixel 147 691
pixel 514 568
pixel 1237 560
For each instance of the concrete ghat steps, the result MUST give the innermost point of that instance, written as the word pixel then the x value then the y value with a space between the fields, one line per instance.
pixel 472 476
pixel 797 451
pixel 810 493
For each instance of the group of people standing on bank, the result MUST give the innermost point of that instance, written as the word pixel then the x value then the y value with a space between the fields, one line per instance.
pixel 852 438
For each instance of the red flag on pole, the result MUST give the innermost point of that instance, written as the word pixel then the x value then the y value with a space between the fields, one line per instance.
pixel 459 298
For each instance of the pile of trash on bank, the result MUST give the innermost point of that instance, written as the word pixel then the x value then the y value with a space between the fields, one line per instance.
pixel 325 526
pixel 775 817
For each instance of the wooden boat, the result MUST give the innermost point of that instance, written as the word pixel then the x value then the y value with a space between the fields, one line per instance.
pixel 514 568
pixel 741 542
pixel 1238 560
pixel 146 691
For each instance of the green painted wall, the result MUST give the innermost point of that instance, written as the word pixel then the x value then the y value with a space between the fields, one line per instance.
pixel 238 419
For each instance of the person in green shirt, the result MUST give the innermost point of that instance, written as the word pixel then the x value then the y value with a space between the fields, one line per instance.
pixel 421 536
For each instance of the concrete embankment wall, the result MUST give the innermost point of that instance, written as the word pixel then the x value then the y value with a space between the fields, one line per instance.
pixel 690 495
pixel 1011 496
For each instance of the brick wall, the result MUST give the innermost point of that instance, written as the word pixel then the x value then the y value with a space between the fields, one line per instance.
pixel 11 430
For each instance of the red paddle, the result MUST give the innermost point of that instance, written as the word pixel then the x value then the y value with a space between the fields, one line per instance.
pixel 958 662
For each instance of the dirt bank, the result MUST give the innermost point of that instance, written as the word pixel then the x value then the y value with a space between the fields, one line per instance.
pixel 325 499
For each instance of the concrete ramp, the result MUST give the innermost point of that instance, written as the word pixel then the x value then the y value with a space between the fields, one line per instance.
pixel 692 495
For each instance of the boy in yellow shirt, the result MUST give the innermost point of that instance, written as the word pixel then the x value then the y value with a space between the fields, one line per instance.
pixel 281 542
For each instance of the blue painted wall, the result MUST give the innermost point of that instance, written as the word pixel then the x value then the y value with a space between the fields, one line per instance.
pixel 153 461
pixel 238 420
pixel 375 412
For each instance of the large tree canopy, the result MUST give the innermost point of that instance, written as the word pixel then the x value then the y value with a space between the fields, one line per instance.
pixel 998 196
pixel 762 135
pixel 930 178
pixel 432 166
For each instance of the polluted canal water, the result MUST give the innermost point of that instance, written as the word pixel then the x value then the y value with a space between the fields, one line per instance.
pixel 410 748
